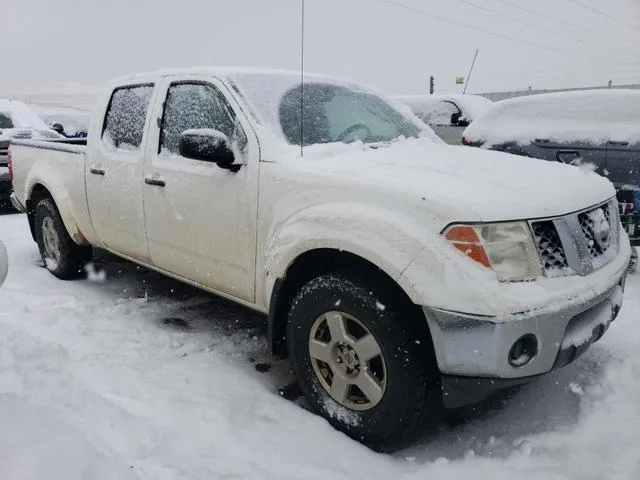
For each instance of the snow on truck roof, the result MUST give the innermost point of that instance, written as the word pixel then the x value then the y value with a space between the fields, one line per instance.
pixel 229 73
pixel 588 115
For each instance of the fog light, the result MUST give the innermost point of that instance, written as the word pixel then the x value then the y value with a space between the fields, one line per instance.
pixel 523 350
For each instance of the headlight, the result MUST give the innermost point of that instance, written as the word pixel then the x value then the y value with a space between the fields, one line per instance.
pixel 507 248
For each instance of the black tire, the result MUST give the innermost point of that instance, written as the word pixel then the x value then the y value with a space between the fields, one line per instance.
pixel 412 399
pixel 72 257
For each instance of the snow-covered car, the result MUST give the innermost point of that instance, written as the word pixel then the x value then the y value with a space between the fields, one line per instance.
pixel 17 120
pixel 399 274
pixel 447 115
pixel 68 122
pixel 597 127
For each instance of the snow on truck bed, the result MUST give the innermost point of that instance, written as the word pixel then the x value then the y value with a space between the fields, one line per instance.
pixel 595 116
pixel 139 377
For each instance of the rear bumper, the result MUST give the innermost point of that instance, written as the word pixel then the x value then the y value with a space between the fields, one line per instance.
pixel 473 352
pixel 17 204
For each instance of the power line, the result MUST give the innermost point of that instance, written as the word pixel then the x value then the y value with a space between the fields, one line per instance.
pixel 538 27
pixel 635 26
pixel 487 32
pixel 471 27
pixel 544 15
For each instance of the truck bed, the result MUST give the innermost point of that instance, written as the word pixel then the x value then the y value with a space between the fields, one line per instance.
pixel 58 167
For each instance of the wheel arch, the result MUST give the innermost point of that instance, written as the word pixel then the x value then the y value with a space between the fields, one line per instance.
pixel 314 263
pixel 40 191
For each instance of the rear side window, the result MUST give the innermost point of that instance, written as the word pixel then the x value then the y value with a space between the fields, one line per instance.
pixel 126 115
pixel 5 120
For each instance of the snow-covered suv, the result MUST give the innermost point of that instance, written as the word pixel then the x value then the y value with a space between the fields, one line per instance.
pixel 398 273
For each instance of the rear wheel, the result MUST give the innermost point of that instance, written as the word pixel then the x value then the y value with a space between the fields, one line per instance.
pixel 60 254
pixel 363 360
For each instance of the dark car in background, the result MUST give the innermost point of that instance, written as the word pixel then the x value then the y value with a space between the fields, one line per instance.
pixel 600 128
pixel 596 129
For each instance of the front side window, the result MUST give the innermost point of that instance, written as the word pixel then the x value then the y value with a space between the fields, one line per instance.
pixel 333 113
pixel 124 123
pixel 5 120
pixel 196 106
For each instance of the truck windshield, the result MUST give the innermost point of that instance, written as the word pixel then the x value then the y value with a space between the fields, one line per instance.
pixel 332 110
pixel 332 113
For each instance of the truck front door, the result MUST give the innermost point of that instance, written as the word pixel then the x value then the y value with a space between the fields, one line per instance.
pixel 201 219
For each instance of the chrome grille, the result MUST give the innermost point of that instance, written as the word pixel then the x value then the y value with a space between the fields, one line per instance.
pixel 578 243
pixel 550 247
pixel 597 244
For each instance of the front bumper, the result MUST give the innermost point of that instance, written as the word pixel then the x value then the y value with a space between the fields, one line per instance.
pixel 473 351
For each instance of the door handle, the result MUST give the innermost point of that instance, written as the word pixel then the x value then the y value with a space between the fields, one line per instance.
pixel 97 170
pixel 155 181
pixel 561 155
pixel 618 144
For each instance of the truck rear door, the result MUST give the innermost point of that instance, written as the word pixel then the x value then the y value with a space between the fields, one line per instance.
pixel 114 170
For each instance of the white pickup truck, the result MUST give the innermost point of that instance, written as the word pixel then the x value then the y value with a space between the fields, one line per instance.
pixel 400 275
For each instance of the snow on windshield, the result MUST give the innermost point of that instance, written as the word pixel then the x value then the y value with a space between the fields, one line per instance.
pixel 334 111
pixel 594 116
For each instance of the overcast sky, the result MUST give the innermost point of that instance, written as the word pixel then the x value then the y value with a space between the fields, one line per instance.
pixel 374 41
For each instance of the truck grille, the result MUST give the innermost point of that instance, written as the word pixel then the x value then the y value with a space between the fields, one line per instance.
pixel 549 246
pixel 578 243
pixel 596 243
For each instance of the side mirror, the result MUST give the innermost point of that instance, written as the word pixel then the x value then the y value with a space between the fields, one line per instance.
pixel 208 145
pixel 457 119
pixel 56 127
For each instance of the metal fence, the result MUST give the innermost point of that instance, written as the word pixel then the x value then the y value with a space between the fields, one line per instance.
pixel 496 96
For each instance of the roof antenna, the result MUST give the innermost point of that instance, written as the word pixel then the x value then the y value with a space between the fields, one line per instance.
pixel 302 79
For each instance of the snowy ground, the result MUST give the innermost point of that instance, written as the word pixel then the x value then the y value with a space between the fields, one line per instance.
pixel 139 377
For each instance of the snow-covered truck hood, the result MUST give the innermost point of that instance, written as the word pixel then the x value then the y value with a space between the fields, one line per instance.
pixel 495 186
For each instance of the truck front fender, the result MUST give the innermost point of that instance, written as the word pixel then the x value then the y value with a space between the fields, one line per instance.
pixel 386 239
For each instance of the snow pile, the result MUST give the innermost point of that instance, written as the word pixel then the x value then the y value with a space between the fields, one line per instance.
pixel 593 116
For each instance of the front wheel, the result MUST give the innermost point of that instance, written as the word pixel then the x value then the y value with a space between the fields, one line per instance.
pixel 60 254
pixel 363 361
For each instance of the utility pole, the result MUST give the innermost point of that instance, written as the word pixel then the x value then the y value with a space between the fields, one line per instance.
pixel 466 84
pixel 432 85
